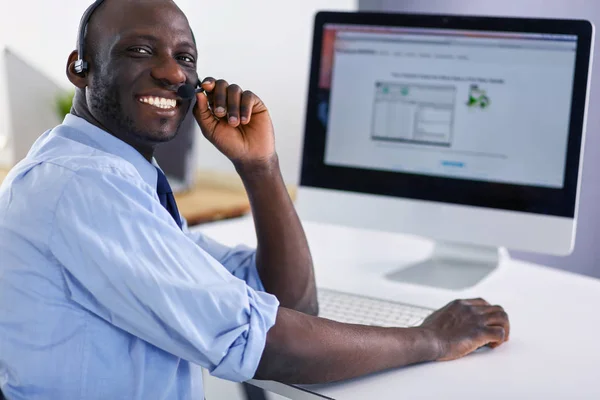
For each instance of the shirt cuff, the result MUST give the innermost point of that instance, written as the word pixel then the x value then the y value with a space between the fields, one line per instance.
pixel 242 359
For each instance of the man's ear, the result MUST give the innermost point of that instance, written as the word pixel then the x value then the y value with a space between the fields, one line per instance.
pixel 79 80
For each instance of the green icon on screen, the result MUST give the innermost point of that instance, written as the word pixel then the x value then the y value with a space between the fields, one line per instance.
pixel 478 98
pixel 404 91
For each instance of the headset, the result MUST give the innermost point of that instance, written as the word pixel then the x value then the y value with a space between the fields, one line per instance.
pixel 82 66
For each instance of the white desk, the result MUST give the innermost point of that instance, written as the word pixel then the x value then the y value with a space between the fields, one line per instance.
pixel 553 353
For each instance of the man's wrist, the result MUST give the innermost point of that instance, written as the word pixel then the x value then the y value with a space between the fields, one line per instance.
pixel 260 168
pixel 427 343
pixel 437 345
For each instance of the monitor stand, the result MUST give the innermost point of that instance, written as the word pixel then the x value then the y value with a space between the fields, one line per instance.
pixel 452 266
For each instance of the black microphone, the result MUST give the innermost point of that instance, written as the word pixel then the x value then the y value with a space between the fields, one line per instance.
pixel 187 91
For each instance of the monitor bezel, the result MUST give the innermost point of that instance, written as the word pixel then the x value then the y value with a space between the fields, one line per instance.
pixel 530 199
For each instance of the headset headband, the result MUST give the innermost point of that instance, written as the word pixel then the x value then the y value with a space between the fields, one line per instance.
pixel 81 66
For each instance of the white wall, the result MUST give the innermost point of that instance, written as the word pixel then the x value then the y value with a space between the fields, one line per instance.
pixel 263 45
pixel 586 256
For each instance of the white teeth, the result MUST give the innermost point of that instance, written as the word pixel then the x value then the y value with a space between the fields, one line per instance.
pixel 159 102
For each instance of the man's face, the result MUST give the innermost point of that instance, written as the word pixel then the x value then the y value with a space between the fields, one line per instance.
pixel 145 51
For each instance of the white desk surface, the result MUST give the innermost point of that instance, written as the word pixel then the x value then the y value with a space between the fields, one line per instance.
pixel 553 352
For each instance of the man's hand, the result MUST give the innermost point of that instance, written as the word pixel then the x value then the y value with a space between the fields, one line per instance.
pixel 236 122
pixel 463 326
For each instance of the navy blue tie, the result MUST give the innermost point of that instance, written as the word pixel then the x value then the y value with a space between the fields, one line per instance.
pixel 165 195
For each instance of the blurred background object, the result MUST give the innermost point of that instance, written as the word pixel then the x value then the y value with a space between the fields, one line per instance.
pixel 28 105
pixel 178 158
pixel 64 101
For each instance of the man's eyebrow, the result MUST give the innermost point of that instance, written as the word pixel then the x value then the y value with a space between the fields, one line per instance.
pixel 152 38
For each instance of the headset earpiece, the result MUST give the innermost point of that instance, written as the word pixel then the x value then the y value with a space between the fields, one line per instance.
pixel 82 66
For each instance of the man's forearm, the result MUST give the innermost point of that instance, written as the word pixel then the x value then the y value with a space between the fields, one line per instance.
pixel 303 349
pixel 283 257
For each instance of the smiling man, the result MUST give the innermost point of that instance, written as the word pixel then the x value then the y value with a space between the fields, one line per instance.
pixel 106 294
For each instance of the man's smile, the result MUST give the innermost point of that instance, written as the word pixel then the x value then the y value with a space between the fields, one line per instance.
pixel 159 102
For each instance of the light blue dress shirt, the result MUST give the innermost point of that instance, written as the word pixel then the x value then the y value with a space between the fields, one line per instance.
pixel 102 296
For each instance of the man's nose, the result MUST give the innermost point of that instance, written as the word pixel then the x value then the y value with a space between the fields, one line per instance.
pixel 169 72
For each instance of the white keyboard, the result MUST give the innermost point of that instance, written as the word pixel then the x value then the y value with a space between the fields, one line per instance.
pixel 355 309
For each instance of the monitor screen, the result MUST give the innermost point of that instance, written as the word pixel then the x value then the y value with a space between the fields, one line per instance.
pixel 467 116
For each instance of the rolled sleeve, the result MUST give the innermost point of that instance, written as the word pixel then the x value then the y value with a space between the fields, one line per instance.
pixel 240 260
pixel 236 366
pixel 126 261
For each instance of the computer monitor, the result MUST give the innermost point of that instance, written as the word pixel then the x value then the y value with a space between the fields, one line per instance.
pixel 465 130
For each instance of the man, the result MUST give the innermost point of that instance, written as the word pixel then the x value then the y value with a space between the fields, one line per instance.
pixel 105 293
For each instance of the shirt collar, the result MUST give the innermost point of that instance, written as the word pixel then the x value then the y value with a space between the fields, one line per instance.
pixel 102 140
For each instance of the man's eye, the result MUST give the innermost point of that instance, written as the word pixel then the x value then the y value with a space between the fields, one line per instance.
pixel 187 59
pixel 139 50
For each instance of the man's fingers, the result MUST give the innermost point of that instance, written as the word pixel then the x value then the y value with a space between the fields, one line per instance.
pixel 494 315
pixel 246 106
pixel 494 336
pixel 489 309
pixel 474 302
pixel 204 115
pixel 220 98
pixel 498 318
pixel 234 98
pixel 208 84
